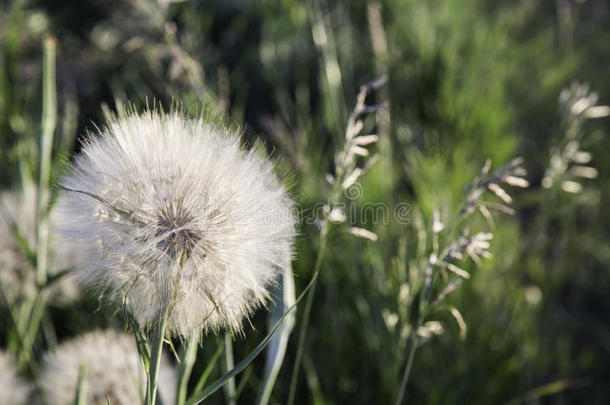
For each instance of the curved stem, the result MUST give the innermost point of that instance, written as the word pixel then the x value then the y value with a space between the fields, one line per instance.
pixel 424 309
pixel 405 376
pixel 305 322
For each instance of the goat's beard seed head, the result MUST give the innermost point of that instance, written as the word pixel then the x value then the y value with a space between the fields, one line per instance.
pixel 167 212
pixel 114 371
pixel 173 229
pixel 14 390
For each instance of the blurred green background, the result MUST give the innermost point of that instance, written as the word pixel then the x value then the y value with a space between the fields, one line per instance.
pixel 467 80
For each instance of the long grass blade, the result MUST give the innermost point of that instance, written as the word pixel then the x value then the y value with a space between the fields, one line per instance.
pixel 279 343
pixel 49 122
pixel 198 397
pixel 186 367
pixel 208 369
pixel 81 389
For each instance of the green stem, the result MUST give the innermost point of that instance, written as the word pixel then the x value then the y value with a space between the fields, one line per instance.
pixel 425 308
pixel 405 376
pixel 31 332
pixel 17 318
pixel 156 350
pixel 49 122
pixel 186 367
pixel 208 369
pixel 230 365
pixel 305 322
pixel 81 389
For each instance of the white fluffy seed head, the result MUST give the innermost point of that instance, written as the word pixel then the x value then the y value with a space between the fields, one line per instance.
pixel 113 370
pixel 13 389
pixel 168 212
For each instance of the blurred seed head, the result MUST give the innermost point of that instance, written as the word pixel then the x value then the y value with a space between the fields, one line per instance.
pixel 13 389
pixel 533 294
pixel 510 174
pixel 172 213
pixel 578 100
pixel 577 105
pixel 114 371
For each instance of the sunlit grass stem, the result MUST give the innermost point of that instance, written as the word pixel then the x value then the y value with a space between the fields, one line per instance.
pixel 35 312
pixel 407 372
pixel 414 337
pixel 49 122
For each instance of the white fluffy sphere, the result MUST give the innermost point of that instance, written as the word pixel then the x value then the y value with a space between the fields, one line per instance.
pixel 173 213
pixel 114 371
pixel 13 389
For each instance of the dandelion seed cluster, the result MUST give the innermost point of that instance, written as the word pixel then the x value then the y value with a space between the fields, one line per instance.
pixel 13 389
pixel 113 371
pixel 168 212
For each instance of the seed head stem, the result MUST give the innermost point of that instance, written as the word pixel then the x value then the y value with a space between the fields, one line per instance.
pixel 405 376
pixel 186 366
pixel 157 336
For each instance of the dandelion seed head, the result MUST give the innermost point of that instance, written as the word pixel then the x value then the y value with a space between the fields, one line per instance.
pixel 168 212
pixel 15 390
pixel 113 370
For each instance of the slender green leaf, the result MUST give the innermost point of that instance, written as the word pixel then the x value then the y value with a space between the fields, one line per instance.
pixel 216 385
pixel 208 370
pixel 49 122
pixel 242 382
pixel 140 338
pixel 186 366
pixel 81 389
pixel 157 338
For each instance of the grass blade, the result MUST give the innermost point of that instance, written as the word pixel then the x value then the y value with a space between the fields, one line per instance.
pixel 49 122
pixel 186 366
pixel 279 343
pixel 208 370
pixel 81 390
pixel 218 384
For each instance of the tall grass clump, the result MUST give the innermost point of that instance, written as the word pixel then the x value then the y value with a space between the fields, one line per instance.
pixel 451 243
pixel 346 174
